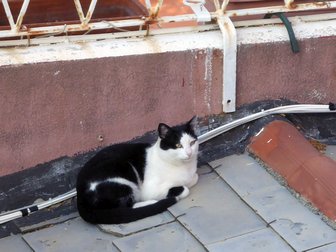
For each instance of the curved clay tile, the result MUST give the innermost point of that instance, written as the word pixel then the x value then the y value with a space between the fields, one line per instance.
pixel 285 150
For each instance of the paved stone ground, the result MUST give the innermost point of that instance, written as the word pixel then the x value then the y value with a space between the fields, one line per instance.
pixel 236 206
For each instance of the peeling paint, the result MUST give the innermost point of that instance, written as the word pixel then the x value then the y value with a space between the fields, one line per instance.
pixel 191 77
pixel 208 77
pixel 81 125
pixel 318 95
pixel 208 65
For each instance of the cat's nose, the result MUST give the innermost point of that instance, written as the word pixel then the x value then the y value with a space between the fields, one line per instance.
pixel 188 152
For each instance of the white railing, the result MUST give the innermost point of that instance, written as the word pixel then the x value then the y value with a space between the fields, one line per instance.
pixel 15 26
pixel 18 30
pixel 85 19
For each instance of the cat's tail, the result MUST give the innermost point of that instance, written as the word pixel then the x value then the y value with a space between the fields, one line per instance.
pixel 123 215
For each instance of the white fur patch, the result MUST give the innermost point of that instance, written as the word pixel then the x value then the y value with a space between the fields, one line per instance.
pixel 166 169
pixel 144 203
pixel 93 186
pixel 184 194
pixel 121 181
pixel 136 173
pixel 190 147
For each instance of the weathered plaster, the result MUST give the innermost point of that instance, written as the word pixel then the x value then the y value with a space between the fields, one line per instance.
pixel 59 100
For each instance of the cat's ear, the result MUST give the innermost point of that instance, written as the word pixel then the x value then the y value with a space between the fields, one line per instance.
pixel 163 130
pixel 193 125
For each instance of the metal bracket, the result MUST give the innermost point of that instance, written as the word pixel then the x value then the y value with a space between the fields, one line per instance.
pixel 229 62
pixel 203 15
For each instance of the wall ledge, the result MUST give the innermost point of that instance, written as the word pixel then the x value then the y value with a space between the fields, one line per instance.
pixel 173 42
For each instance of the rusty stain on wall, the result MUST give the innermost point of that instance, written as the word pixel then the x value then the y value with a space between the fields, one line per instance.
pixel 318 95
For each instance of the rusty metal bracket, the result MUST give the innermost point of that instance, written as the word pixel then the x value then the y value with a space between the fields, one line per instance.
pixel 293 41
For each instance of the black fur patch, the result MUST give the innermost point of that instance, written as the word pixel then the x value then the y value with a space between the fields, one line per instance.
pixel 125 161
pixel 115 161
pixel 175 191
pixel 170 136
pixel 171 139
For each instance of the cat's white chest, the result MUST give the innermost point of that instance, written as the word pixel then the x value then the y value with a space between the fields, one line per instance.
pixel 160 176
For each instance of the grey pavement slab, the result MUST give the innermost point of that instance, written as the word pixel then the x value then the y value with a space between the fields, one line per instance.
pixel 243 174
pixel 137 226
pixel 331 151
pixel 53 221
pixel 275 204
pixel 74 235
pixel 213 212
pixel 327 248
pixel 264 240
pixel 301 233
pixel 170 237
pixel 14 243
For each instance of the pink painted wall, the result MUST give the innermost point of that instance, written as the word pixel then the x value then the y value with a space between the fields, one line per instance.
pixel 49 110
pixel 268 71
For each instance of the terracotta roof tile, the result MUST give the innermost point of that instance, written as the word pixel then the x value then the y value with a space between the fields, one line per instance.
pixel 285 150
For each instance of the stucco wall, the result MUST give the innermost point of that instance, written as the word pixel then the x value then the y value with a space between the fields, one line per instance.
pixel 272 71
pixel 54 109
pixel 49 110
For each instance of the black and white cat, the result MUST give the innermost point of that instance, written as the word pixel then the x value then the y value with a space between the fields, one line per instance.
pixel 127 182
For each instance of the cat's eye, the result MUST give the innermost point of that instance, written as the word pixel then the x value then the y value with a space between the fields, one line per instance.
pixel 178 145
pixel 192 142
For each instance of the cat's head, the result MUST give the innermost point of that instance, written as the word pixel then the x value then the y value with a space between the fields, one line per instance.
pixel 179 143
